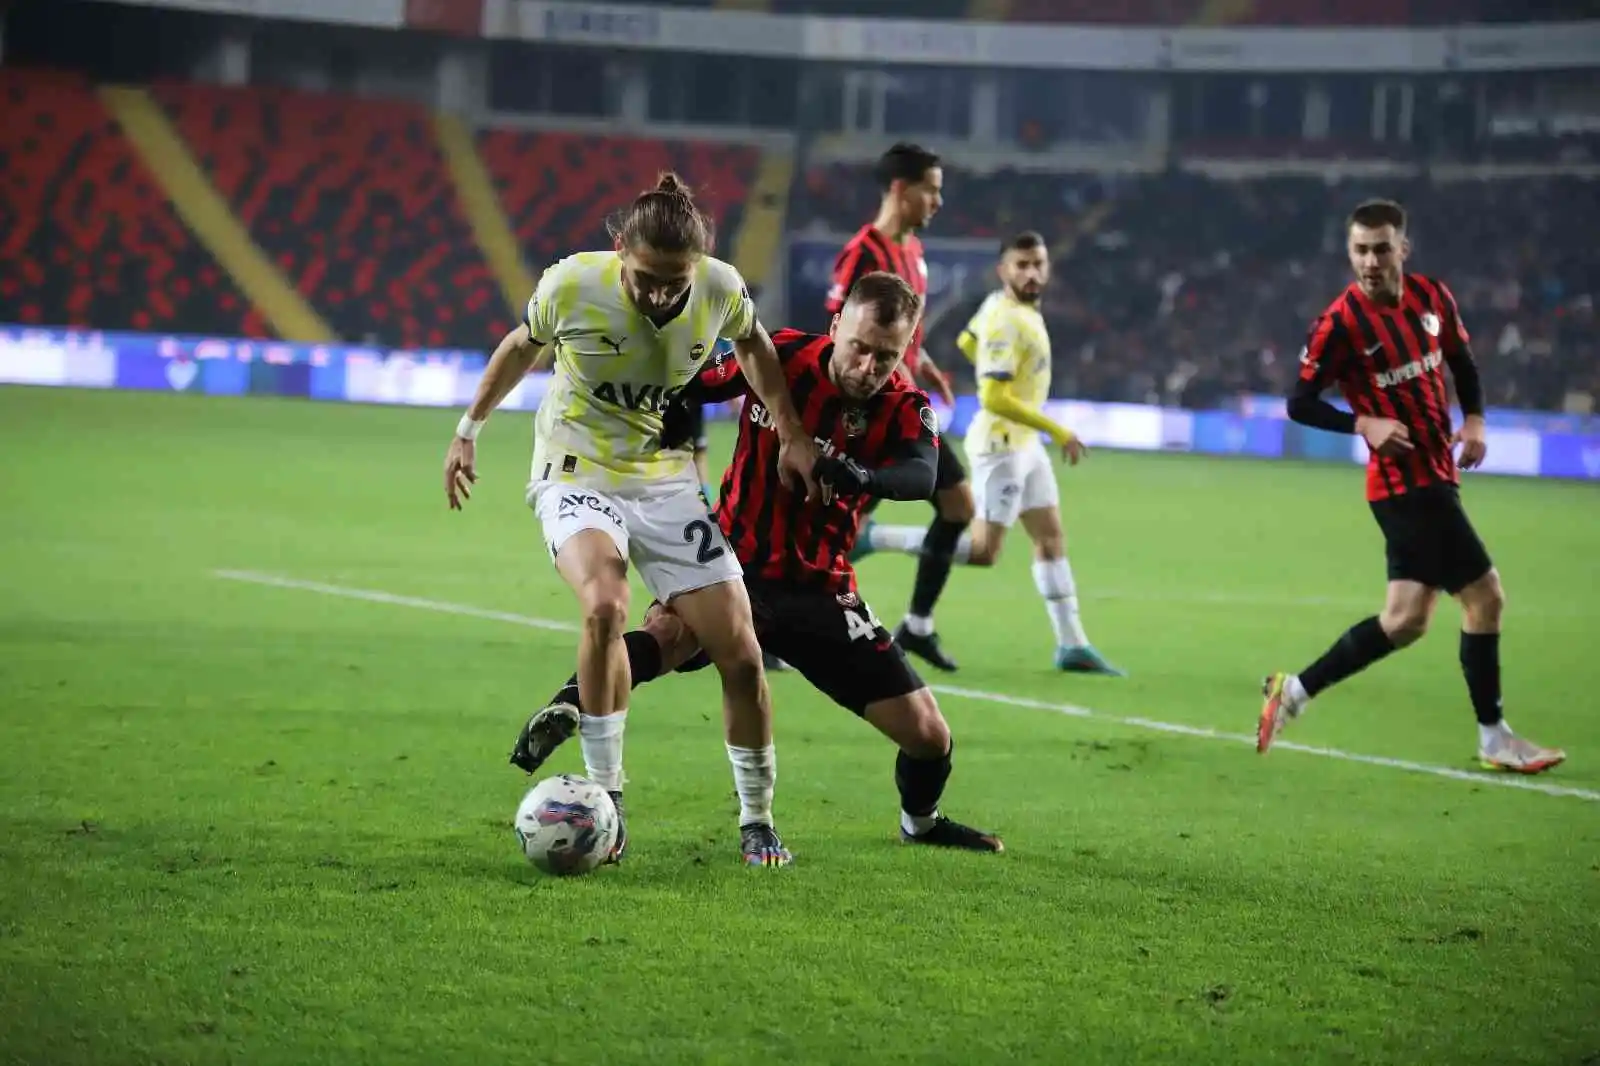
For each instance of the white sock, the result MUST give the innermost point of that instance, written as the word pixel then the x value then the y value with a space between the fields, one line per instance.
pixel 600 737
pixel 1294 695
pixel 907 539
pixel 916 824
pixel 1490 736
pixel 1053 579
pixel 919 625
pixel 963 553
pixel 755 773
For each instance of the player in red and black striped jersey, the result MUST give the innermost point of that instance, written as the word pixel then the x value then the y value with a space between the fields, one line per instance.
pixel 879 438
pixel 912 182
pixel 1385 344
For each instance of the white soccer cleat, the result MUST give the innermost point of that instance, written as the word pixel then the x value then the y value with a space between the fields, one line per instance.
pixel 1513 754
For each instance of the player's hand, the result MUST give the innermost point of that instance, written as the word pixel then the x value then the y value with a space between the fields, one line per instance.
pixel 460 472
pixel 1073 449
pixel 841 475
pixel 1385 436
pixel 938 379
pixel 797 461
pixel 1474 446
pixel 677 425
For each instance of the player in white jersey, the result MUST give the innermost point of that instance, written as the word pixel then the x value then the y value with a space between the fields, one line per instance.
pixel 628 328
pixel 1012 477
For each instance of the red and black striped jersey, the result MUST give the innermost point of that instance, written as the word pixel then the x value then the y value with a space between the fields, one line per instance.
pixel 1388 362
pixel 776 532
pixel 870 250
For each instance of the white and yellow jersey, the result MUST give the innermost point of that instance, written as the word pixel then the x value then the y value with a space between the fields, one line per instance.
pixel 1007 340
pixel 600 421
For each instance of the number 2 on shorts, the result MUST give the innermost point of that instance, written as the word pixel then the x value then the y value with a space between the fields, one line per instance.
pixel 700 528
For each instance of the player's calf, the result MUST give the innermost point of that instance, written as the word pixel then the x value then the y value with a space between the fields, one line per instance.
pixel 921 771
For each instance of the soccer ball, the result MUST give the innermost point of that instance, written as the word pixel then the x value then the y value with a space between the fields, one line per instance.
pixel 566 825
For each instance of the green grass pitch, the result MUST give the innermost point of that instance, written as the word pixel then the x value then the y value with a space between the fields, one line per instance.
pixel 247 824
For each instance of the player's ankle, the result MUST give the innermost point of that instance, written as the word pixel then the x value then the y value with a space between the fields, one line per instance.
pixel 919 625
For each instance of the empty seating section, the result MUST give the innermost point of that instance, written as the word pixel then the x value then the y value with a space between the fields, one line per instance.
pixel 353 202
pixel 87 238
pixel 558 188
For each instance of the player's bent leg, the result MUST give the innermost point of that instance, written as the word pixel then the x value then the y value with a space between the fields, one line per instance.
pixel 955 509
pixel 719 616
pixel 1482 604
pixel 663 643
pixel 1052 576
pixel 921 770
pixel 1407 609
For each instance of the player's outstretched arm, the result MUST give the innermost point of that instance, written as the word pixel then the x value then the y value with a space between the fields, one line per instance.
pixel 797 451
pixel 996 396
pixel 909 474
pixel 513 357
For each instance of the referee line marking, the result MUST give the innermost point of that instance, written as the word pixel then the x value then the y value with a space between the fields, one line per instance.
pixel 1071 710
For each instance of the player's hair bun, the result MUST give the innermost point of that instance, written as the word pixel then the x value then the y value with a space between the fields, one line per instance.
pixel 673 185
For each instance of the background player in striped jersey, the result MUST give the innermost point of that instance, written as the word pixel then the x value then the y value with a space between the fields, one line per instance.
pixel 1012 478
pixel 879 438
pixel 629 327
pixel 1384 342
pixel 912 182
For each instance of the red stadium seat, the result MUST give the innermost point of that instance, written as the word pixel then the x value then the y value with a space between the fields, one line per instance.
pixel 353 201
pixel 559 188
pixel 87 238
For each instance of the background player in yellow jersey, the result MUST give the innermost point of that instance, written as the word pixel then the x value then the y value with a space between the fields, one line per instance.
pixel 628 328
pixel 1012 477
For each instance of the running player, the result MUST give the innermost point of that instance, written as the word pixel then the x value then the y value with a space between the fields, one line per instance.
pixel 912 182
pixel 1012 477
pixel 1385 342
pixel 630 327
pixel 879 438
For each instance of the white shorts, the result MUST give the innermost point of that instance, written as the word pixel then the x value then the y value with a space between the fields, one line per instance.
pixel 1005 484
pixel 664 528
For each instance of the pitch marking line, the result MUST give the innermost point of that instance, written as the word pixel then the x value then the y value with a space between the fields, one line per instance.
pixel 1072 710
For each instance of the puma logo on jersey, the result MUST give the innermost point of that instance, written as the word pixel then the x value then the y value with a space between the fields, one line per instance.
pixel 1410 371
pixel 615 346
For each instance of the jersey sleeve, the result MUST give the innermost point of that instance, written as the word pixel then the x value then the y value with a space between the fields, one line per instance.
pixel 719 380
pixel 856 259
pixel 739 308
pixel 1453 333
pixel 1322 359
pixel 914 422
pixel 543 312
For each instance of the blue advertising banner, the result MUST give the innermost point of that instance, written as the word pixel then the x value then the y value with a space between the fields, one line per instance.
pixel 221 366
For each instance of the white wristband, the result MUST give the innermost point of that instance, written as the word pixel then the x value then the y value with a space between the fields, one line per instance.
pixel 467 429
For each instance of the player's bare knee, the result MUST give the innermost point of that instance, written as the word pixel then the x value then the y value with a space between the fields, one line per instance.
pixel 1404 625
pixel 605 610
pixel 1049 549
pixel 929 735
pixel 1483 603
pixel 956 506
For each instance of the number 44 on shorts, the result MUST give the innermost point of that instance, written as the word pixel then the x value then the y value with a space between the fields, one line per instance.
pixel 859 621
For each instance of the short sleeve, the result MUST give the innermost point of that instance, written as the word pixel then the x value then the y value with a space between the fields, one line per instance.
pixel 1321 359
pixel 739 317
pixel 1000 350
pixel 1455 331
pixel 543 312
pixel 915 421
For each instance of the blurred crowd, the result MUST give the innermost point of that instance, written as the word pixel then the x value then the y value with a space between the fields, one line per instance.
pixel 1187 291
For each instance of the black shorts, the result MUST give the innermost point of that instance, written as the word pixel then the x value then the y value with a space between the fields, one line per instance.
pixel 1429 539
pixel 834 642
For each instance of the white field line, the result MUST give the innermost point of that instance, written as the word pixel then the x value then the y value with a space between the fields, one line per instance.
pixel 1072 710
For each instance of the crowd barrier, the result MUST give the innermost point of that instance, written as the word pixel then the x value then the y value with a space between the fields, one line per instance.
pixel 1521 443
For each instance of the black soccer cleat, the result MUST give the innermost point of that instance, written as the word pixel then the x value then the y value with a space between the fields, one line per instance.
pixel 948 834
pixel 622 830
pixel 760 846
pixel 546 731
pixel 925 647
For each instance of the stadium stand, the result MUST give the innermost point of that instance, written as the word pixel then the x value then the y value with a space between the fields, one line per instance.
pixel 353 202
pixel 558 188
pixel 86 236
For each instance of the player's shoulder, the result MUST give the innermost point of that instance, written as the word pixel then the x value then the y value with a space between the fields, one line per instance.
pixel 901 394
pixel 1428 290
pixel 720 277
pixel 578 272
pixel 797 343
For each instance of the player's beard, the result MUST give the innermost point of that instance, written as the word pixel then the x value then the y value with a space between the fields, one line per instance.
pixel 1025 296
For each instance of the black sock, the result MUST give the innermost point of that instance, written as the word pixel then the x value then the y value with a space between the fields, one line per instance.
pixel 644 663
pixel 921 782
pixel 1362 645
pixel 1480 663
pixel 933 566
